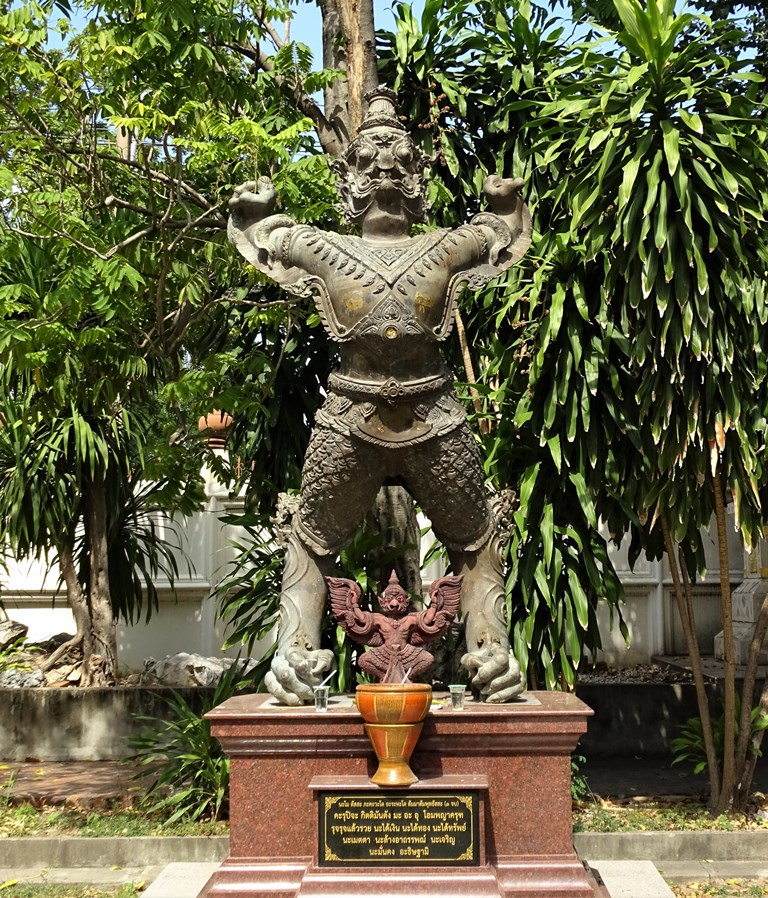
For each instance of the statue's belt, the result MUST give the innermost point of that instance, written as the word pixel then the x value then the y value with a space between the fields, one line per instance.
pixel 391 391
pixel 392 414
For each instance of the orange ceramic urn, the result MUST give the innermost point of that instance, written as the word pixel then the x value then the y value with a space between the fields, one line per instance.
pixel 393 715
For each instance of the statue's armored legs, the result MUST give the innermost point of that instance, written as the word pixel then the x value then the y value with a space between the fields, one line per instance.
pixel 492 667
pixel 450 488
pixel 299 664
pixel 339 483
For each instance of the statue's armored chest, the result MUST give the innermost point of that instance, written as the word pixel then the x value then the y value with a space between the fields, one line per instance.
pixel 386 291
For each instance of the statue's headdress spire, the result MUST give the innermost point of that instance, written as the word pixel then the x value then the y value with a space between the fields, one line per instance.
pixel 382 110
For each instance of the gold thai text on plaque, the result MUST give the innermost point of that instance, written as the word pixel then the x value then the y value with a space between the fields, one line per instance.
pixel 390 828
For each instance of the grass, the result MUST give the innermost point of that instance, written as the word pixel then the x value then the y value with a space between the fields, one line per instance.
pixel 722 888
pixel 111 820
pixel 639 814
pixel 11 889
pixel 594 815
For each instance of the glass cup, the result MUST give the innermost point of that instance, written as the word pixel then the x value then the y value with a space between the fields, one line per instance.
pixel 321 697
pixel 457 697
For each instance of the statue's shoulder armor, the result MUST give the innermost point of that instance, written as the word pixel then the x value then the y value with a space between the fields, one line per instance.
pixel 311 248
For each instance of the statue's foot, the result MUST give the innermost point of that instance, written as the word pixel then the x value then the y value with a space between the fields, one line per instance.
pixel 494 671
pixel 293 675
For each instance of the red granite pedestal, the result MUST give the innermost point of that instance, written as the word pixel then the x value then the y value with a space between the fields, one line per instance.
pixel 516 757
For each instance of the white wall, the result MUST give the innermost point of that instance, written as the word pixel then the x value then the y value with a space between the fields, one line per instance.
pixel 650 610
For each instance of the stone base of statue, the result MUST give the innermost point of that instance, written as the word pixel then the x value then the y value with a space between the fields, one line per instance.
pixel 489 816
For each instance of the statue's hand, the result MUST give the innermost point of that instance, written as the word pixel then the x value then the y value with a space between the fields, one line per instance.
pixel 253 200
pixel 294 674
pixel 495 672
pixel 503 194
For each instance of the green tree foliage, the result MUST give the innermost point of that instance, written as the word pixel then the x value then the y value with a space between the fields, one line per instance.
pixel 123 309
pixel 538 353
pixel 218 85
pixel 626 369
pixel 666 160
pixel 751 39
pixel 624 372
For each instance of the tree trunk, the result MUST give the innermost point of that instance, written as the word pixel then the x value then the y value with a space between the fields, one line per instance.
pixel 729 739
pixel 469 372
pixel 756 741
pixel 744 767
pixel 349 44
pixel 77 603
pixel 685 610
pixel 100 661
pixel 335 96
pixel 394 516
pixel 356 19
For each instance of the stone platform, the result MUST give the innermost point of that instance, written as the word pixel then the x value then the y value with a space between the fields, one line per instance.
pixel 515 758
pixel 622 879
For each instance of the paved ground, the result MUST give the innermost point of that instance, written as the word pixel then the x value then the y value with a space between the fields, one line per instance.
pixel 88 783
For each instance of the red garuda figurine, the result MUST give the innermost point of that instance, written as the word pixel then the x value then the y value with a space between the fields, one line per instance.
pixel 396 636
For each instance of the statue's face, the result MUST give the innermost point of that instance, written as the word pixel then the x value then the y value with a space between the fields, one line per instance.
pixel 383 165
pixel 394 601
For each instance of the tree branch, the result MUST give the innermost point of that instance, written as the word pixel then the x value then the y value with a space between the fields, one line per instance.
pixel 129 241
pixel 729 735
pixel 65 235
pixel 744 771
pixel 112 200
pixel 331 142
pixel 469 371
pixel 155 175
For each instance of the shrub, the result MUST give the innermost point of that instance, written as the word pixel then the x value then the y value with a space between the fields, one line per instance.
pixel 188 770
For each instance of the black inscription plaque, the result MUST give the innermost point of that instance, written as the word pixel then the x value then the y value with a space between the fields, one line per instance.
pixel 393 828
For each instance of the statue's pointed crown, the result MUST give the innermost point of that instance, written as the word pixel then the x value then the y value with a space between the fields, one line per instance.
pixel 393 587
pixel 382 110
pixel 381 123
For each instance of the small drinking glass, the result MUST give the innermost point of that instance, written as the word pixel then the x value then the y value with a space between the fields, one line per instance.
pixel 321 697
pixel 457 697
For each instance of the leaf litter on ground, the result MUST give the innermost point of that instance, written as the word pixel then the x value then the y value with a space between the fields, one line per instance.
pixel 664 813
pixel 70 890
pixel 721 888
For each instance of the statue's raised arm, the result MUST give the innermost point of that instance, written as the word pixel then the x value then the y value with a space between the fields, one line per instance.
pixel 259 234
pixel 508 208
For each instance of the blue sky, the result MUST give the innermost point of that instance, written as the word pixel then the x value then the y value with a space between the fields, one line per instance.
pixel 305 26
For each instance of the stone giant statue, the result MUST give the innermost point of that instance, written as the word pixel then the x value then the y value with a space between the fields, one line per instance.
pixel 387 299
